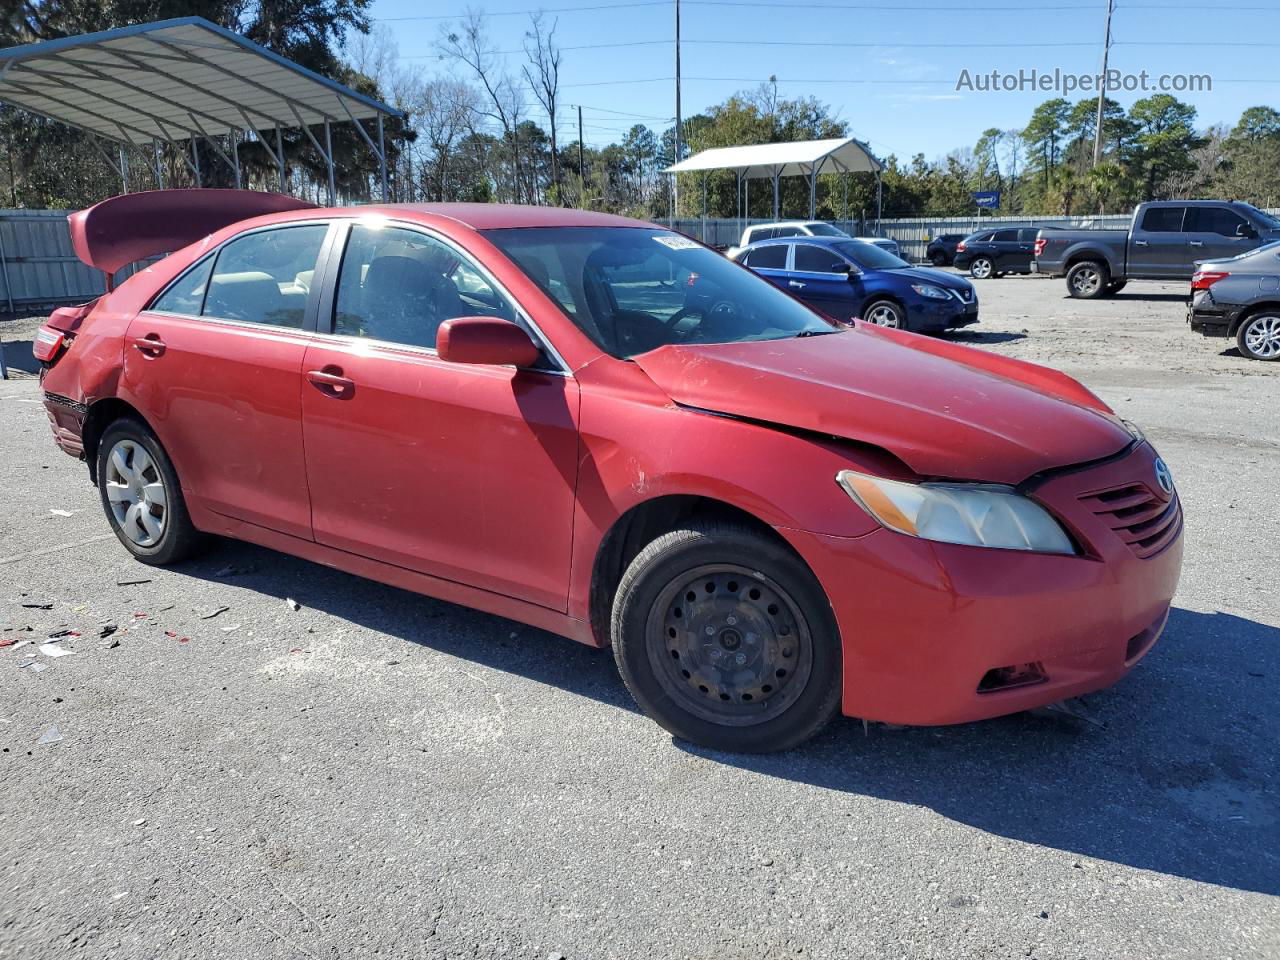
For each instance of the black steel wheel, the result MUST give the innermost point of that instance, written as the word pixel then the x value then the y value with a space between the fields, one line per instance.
pixel 726 639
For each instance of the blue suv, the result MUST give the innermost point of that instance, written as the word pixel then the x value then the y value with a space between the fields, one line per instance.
pixel 845 279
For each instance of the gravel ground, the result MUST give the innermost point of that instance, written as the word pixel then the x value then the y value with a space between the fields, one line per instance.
pixel 379 774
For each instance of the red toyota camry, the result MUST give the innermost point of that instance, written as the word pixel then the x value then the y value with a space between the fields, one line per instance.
pixel 604 429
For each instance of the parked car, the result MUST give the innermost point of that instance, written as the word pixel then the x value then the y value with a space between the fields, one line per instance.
pixel 607 430
pixel 846 279
pixel 1164 241
pixel 884 243
pixel 784 228
pixel 1240 297
pixel 941 251
pixel 993 253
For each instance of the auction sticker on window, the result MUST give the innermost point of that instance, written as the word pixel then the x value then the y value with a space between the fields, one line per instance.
pixel 678 243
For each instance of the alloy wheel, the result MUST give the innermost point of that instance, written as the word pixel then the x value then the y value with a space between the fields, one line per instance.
pixel 1262 337
pixel 981 268
pixel 729 645
pixel 136 493
pixel 1086 281
pixel 883 315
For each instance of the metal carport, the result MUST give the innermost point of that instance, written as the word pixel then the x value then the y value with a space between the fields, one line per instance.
pixel 184 79
pixel 772 161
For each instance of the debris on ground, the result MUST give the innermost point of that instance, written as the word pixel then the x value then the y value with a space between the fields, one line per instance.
pixel 132 583
pixel 140 821
pixel 61 513
pixel 294 605
pixel 8 641
pixel 54 649
pixel 107 630
pixel 38 606
pixel 213 613
pixel 52 735
pixel 58 634
pixel 35 666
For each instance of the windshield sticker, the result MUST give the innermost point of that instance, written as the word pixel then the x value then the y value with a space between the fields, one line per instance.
pixel 678 243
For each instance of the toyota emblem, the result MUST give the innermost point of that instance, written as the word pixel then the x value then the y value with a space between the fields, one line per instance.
pixel 1164 477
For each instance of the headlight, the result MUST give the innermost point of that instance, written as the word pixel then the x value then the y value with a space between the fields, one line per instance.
pixel 1135 431
pixel 979 515
pixel 930 291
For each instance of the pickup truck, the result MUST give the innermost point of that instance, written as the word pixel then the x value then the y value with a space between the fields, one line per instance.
pixel 1164 242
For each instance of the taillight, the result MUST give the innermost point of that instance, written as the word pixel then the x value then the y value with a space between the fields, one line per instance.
pixel 1204 279
pixel 47 343
pixel 1040 242
pixel 960 247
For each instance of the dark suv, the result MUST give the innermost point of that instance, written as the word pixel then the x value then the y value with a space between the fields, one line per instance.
pixel 941 251
pixel 993 253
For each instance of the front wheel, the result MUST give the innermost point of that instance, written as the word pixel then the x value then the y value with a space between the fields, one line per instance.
pixel 726 639
pixel 141 495
pixel 1087 280
pixel 1259 337
pixel 982 268
pixel 1115 286
pixel 885 313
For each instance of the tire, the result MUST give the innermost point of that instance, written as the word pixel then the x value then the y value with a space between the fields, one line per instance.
pixel 1115 286
pixel 136 481
pixel 982 268
pixel 885 313
pixel 1088 279
pixel 938 259
pixel 1259 336
pixel 769 616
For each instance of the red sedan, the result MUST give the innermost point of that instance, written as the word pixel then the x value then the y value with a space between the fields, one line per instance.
pixel 603 429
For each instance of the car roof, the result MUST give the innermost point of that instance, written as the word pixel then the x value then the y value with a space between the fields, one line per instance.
pixel 488 216
pixel 819 241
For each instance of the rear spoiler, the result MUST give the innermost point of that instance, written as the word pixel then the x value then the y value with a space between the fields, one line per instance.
pixel 134 226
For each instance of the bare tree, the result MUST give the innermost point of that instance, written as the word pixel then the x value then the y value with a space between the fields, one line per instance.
pixel 470 46
pixel 542 73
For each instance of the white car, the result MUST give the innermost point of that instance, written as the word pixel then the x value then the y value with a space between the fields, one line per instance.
pixel 801 228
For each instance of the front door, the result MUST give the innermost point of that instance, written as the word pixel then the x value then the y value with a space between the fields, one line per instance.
pixel 822 285
pixel 215 366
pixel 460 471
pixel 1215 233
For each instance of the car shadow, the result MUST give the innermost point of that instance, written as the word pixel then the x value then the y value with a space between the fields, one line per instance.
pixel 982 336
pixel 1172 771
pixel 18 356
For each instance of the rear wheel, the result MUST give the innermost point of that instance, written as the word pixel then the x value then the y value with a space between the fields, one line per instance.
pixel 1087 280
pixel 141 495
pixel 1115 286
pixel 885 313
pixel 726 639
pixel 1259 336
pixel 982 268
pixel 938 258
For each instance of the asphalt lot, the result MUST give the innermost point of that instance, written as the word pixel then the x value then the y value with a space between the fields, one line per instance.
pixel 380 774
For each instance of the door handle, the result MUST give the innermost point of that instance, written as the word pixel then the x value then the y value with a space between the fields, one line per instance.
pixel 1196 243
pixel 1140 243
pixel 332 383
pixel 795 285
pixel 150 345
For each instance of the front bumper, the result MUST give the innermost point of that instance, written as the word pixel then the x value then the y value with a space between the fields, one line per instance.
pixel 934 316
pixel 925 625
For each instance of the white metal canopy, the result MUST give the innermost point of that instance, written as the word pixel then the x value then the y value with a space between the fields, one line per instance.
pixel 178 79
pixel 772 161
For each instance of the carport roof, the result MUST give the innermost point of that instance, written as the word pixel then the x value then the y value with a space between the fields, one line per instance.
pixel 845 154
pixel 170 80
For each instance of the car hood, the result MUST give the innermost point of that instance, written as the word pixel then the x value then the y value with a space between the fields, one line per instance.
pixel 939 278
pixel 944 410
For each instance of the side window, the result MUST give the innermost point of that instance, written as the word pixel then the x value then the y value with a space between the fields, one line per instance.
pixel 761 233
pixel 772 257
pixel 265 277
pixel 1163 220
pixel 811 258
pixel 787 232
pixel 399 285
pixel 1006 236
pixel 186 295
pixel 1027 234
pixel 1213 220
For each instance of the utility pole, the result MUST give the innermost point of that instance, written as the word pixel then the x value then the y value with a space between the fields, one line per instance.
pixel 1102 89
pixel 582 165
pixel 675 178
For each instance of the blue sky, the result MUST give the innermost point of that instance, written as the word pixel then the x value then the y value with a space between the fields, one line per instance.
pixel 914 51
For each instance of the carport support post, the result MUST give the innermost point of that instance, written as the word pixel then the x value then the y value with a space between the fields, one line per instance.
pixel 284 182
pixel 155 152
pixel 776 174
pixel 879 197
pixel 234 136
pixel 328 159
pixel 382 161
pixel 124 168
pixel 195 160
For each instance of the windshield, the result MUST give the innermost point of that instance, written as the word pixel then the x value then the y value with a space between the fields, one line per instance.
pixel 825 230
pixel 1266 219
pixel 868 256
pixel 632 290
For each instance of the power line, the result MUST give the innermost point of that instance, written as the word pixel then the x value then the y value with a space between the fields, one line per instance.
pixel 893 44
pixel 522 13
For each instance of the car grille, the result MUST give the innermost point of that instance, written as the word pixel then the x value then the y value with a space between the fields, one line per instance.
pixel 1141 519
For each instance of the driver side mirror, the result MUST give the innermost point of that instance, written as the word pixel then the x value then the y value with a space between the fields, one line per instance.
pixel 489 340
pixel 848 269
pixel 1246 230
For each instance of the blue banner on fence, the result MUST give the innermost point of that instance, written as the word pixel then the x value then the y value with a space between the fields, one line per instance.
pixel 989 199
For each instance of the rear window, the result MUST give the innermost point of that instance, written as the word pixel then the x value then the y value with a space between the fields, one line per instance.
pixel 825 230
pixel 1163 219
pixel 1006 236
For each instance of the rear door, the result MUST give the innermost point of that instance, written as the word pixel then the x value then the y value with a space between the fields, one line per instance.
pixel 215 366
pixel 815 280
pixel 770 261
pixel 1214 233
pixel 465 472
pixel 1157 246
pixel 1006 251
